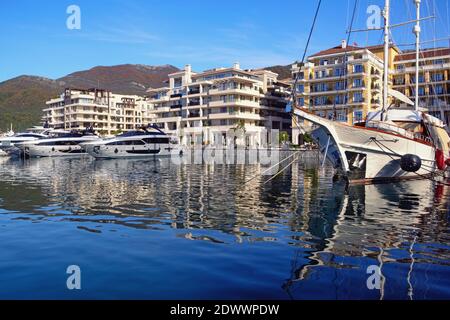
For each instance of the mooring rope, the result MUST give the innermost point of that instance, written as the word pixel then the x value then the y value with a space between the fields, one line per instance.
pixel 380 145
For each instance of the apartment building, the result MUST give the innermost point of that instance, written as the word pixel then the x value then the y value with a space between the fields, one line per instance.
pixel 342 83
pixel 106 112
pixel 205 108
pixel 434 80
pixel 347 91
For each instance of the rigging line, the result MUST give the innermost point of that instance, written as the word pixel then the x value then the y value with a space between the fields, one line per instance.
pixel 448 21
pixel 429 98
pixel 345 61
pixel 383 278
pixel 297 77
pixel 398 155
pixel 271 168
pixel 411 267
pixel 281 171
pixel 418 174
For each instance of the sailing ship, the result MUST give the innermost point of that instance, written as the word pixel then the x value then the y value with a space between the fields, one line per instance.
pixel 391 144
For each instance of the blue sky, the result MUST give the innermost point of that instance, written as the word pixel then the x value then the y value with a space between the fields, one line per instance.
pixel 206 34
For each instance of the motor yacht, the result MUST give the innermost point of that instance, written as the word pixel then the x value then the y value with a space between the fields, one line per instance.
pixel 58 145
pixel 146 142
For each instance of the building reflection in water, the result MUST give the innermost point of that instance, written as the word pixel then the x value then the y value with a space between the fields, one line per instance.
pixel 392 226
pixel 332 233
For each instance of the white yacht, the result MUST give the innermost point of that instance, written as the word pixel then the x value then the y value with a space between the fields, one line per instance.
pixel 58 145
pixel 146 142
pixel 8 143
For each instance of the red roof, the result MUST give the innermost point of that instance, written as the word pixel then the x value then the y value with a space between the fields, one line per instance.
pixel 339 49
pixel 335 50
pixel 424 54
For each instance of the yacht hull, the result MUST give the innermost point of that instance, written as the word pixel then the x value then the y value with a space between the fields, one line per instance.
pixel 53 151
pixel 366 155
pixel 125 152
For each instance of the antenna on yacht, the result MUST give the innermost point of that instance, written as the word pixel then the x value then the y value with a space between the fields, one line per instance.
pixel 417 31
pixel 386 15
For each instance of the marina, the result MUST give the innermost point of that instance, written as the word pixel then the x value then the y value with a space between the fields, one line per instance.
pixel 240 172
pixel 158 230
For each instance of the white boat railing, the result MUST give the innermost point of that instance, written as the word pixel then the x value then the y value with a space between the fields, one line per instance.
pixel 385 126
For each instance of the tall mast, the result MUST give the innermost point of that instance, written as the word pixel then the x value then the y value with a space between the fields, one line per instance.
pixel 386 14
pixel 417 31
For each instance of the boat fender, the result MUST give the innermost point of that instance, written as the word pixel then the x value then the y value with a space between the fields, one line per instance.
pixel 440 160
pixel 116 151
pixel 410 163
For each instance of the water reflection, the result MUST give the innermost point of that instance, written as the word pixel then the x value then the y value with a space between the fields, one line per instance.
pixel 326 236
pixel 400 228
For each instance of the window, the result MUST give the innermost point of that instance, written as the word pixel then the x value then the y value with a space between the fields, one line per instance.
pixel 156 140
pixel 320 101
pixel 439 89
pixel 357 83
pixel 340 99
pixel 358 97
pixel 357 116
pixel 399 81
pixel 437 77
pixel 341 117
pixel 301 102
pixel 341 85
pixel 339 72
pixel 358 68
pixel 301 88
pixel 178 82
pixel 321 114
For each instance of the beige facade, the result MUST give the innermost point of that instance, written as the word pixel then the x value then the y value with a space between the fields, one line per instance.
pixel 204 108
pixel 434 80
pixel 106 112
pixel 337 90
pixel 325 88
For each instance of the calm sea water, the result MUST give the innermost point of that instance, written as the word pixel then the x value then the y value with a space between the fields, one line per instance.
pixel 156 230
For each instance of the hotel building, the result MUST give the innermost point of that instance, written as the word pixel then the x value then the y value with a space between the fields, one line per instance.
pixel 347 92
pixel 434 80
pixel 205 108
pixel 106 112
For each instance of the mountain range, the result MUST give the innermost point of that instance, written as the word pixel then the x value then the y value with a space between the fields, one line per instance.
pixel 23 98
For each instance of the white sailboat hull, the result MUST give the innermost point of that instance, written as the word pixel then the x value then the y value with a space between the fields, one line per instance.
pixel 369 155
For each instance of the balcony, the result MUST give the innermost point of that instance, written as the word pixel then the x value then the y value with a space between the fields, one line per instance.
pixel 194 91
pixel 176 106
pixel 358 101
pixel 193 103
pixel 194 115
